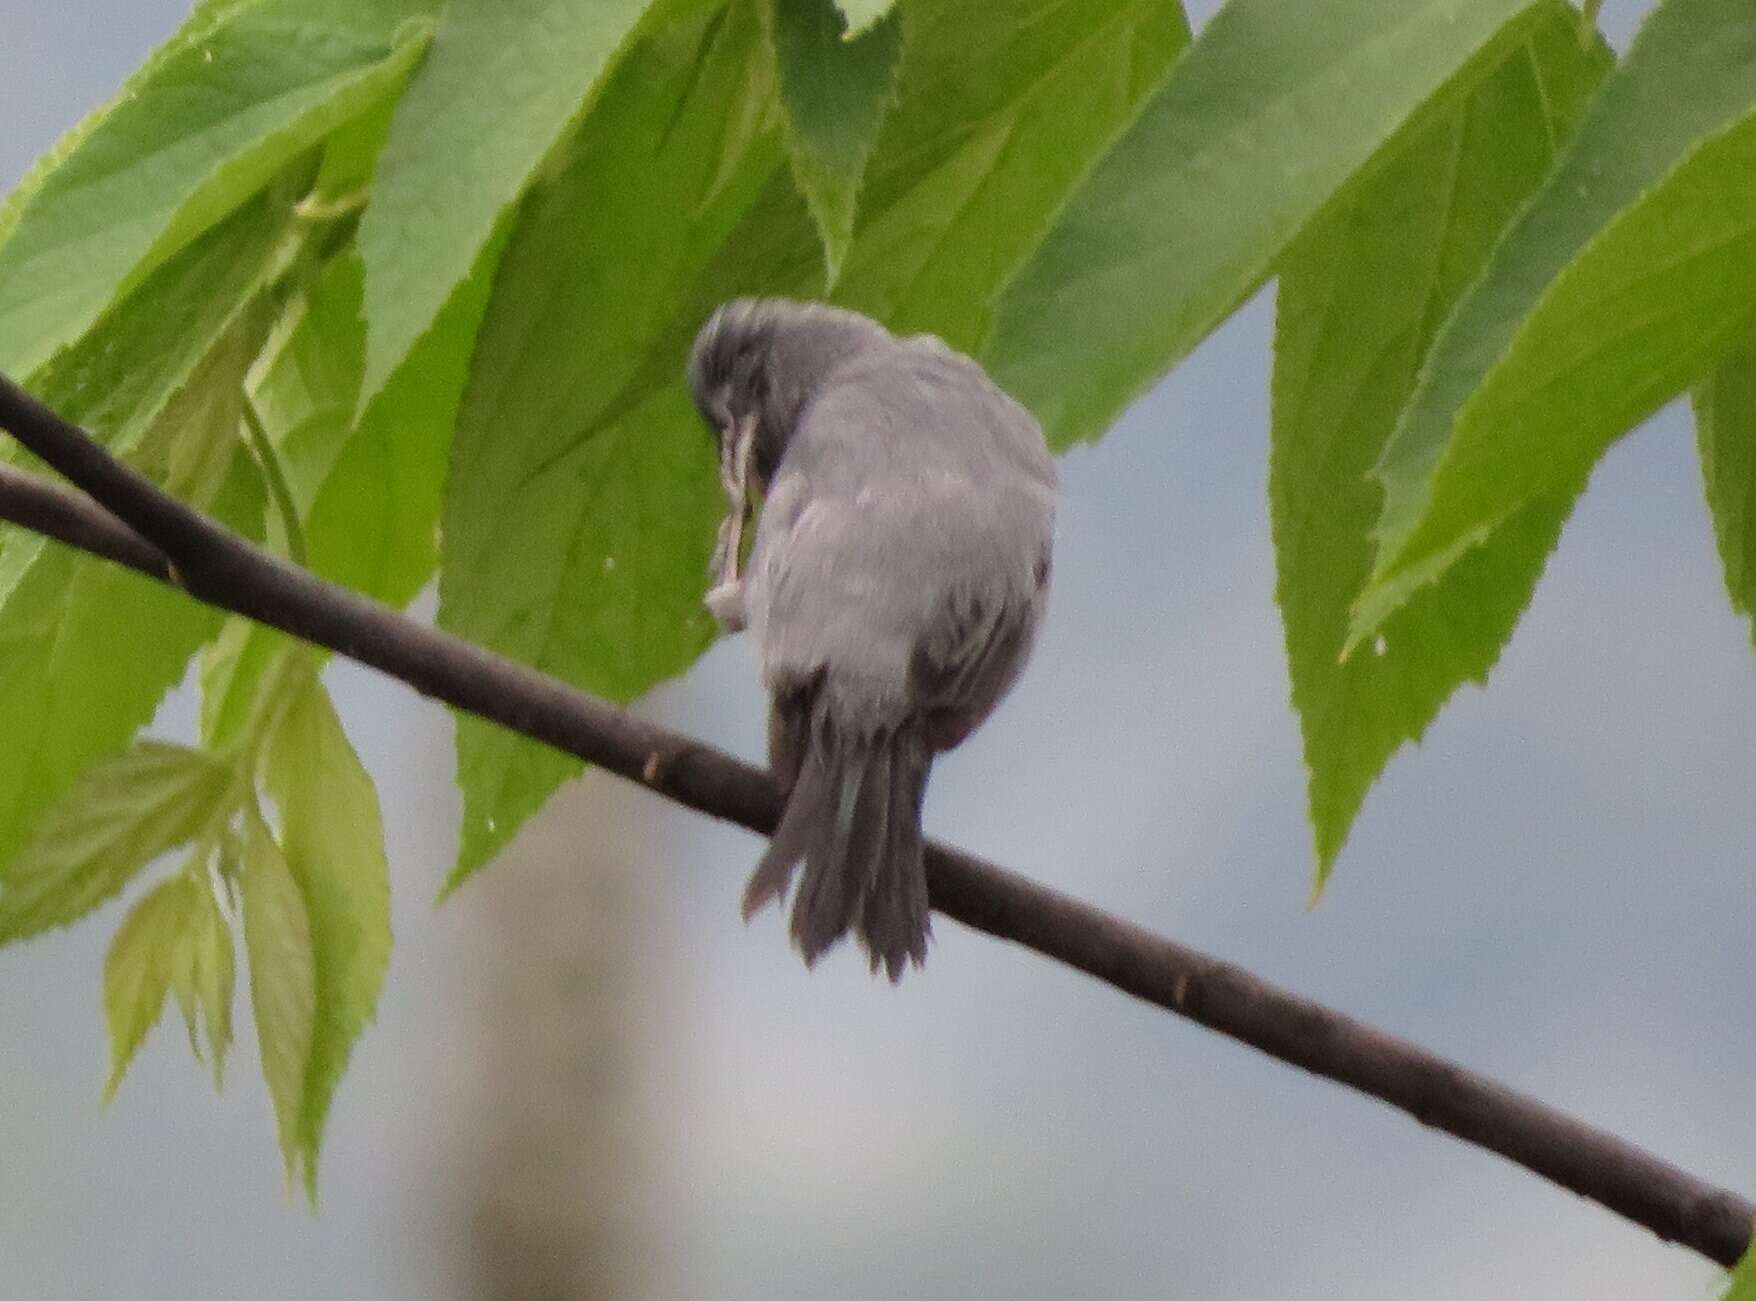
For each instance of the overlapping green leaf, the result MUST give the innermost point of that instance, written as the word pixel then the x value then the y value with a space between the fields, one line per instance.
pixel 1725 433
pixel 333 839
pixel 505 82
pixel 1362 293
pixel 1627 277
pixel 1267 116
pixel 580 508
pixel 121 815
pixel 834 89
pixel 138 967
pixel 160 379
pixel 1003 108
pixel 203 972
pixel 283 981
pixel 195 136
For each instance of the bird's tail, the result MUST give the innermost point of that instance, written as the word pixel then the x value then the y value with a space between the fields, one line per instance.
pixel 854 817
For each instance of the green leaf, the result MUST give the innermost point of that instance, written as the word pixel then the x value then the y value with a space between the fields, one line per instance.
pixel 1271 111
pixel 333 838
pixel 1362 292
pixel 1624 280
pixel 1725 433
pixel 834 90
pixel 175 414
pixel 368 494
pixel 457 157
pixel 203 972
pixel 580 507
pixel 203 17
pixel 283 980
pixel 119 816
pixel 237 668
pixel 214 120
pixel 1003 107
pixel 137 970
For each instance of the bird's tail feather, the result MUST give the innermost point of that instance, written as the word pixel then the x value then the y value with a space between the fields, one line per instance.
pixel 854 817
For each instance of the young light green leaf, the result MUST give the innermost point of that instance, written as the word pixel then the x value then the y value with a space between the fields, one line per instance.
pixel 1725 433
pixel 120 815
pixel 283 981
pixel 236 668
pixel 212 123
pixel 1362 293
pixel 333 838
pixel 1621 283
pixel 457 158
pixel 834 89
pixel 580 508
pixel 137 970
pixel 1267 116
pixel 203 972
pixel 1002 109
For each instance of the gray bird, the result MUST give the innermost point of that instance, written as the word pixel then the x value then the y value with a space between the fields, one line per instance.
pixel 895 585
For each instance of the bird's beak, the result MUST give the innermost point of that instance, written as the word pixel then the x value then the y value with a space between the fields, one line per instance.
pixel 737 446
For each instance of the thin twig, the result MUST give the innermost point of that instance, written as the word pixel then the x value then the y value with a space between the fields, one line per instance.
pixel 160 536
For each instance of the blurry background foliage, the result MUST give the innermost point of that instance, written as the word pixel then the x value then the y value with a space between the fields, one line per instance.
pixel 403 289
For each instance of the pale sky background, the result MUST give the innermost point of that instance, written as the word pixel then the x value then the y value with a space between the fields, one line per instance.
pixel 1557 888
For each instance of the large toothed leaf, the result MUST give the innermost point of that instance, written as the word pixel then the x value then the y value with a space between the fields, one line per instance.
pixel 1003 108
pixel 333 839
pixel 121 815
pixel 1361 295
pixel 1269 113
pixel 834 89
pixel 283 980
pixel 505 82
pixel 160 379
pixel 580 508
pixel 138 968
pixel 1725 433
pixel 1623 282
pixel 211 120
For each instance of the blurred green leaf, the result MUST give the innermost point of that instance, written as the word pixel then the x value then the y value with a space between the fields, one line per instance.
pixel 457 157
pixel 1725 433
pixel 121 814
pixel 580 508
pixel 1630 273
pixel 283 980
pixel 834 90
pixel 333 840
pixel 137 970
pixel 194 136
pixel 1272 110
pixel 203 972
pixel 1362 292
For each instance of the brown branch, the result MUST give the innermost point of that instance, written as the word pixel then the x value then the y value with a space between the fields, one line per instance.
pixel 132 521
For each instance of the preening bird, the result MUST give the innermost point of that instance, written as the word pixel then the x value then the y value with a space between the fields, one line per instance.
pixel 894 587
